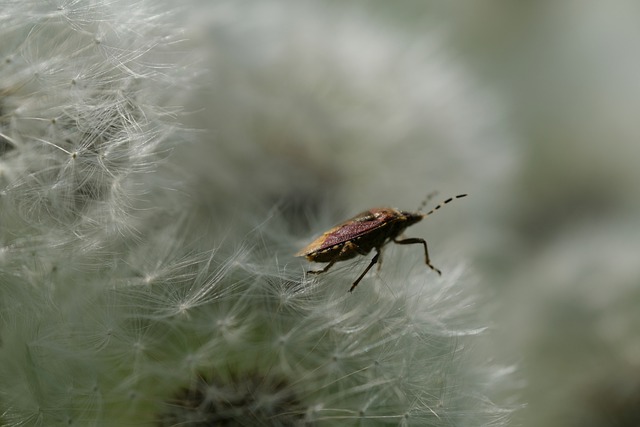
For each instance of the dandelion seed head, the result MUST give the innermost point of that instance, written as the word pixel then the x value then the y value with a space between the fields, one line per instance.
pixel 103 134
pixel 238 400
pixel 119 306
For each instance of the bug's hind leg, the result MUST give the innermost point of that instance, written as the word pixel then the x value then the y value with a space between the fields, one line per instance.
pixel 373 261
pixel 413 240
pixel 323 270
pixel 348 247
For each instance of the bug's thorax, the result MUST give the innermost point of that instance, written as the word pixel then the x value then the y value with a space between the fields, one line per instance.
pixel 393 222
pixel 392 214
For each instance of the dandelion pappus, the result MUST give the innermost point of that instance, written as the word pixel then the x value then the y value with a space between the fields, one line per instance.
pixel 371 229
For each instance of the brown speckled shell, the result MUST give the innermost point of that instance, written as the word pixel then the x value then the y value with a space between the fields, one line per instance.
pixel 361 224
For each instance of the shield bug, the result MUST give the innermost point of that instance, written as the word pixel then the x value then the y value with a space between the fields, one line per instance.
pixel 368 230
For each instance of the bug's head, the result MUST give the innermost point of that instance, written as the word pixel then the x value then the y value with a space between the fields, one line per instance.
pixel 412 217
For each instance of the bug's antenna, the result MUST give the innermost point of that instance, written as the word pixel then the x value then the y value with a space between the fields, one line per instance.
pixel 426 200
pixel 450 199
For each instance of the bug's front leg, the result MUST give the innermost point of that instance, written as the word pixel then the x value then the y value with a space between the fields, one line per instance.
pixel 373 261
pixel 413 240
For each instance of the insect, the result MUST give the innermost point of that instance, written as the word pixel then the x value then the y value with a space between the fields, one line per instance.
pixel 368 230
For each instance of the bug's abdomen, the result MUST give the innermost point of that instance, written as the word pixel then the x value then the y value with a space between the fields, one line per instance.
pixel 338 252
pixel 361 245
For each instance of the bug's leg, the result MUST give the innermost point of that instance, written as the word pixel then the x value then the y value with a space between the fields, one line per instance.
pixel 413 240
pixel 326 267
pixel 373 261
pixel 379 259
pixel 349 246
